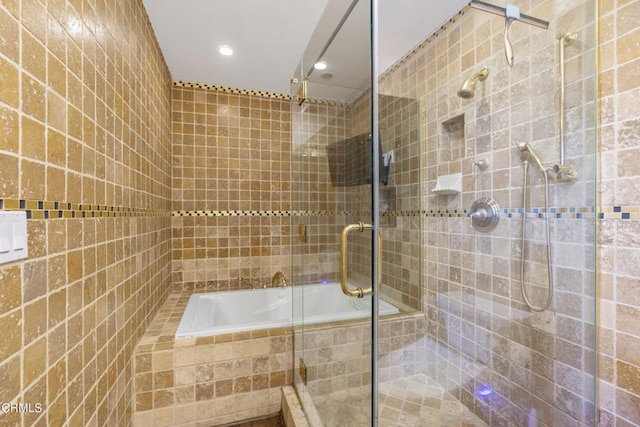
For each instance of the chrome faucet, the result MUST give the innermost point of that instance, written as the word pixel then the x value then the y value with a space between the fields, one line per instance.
pixel 278 280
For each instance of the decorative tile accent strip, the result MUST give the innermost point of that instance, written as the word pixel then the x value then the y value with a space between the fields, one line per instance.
pixel 40 209
pixel 261 213
pixel 628 212
pixel 270 95
pixel 323 101
pixel 619 212
pixel 585 212
pixel 224 89
pixel 558 213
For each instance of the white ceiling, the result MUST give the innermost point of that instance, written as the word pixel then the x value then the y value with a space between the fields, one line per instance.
pixel 269 36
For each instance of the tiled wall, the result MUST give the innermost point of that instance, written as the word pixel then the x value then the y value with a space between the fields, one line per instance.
pixel 231 155
pixel 338 361
pixel 211 380
pixel 454 263
pixel 314 126
pixel 85 112
pixel 401 215
pixel 473 299
pixel 619 239
pixel 85 104
pixel 329 206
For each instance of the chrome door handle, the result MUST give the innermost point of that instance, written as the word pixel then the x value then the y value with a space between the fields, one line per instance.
pixel 360 227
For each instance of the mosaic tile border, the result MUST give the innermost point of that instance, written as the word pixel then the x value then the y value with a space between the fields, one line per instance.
pixel 260 213
pixel 225 89
pixel 323 101
pixel 558 213
pixel 619 212
pixel 270 95
pixel 606 212
pixel 41 209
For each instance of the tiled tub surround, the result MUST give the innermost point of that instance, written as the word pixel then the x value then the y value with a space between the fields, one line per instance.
pixel 84 112
pixel 231 153
pixel 211 380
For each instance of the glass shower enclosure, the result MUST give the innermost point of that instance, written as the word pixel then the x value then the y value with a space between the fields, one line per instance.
pixel 478 298
pixel 331 190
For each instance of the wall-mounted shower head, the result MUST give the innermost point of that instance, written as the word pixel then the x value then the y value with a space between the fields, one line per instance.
pixel 468 88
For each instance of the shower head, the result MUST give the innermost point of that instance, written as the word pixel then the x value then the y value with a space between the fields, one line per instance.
pixel 527 154
pixel 468 88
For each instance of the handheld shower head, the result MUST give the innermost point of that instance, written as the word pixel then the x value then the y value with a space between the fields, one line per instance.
pixel 527 153
pixel 468 88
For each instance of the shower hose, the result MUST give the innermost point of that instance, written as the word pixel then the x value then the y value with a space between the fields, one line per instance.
pixel 547 304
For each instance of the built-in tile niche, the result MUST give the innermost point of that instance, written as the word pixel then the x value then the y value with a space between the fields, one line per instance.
pixel 451 142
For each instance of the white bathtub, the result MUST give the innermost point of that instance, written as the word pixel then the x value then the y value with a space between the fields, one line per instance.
pixel 235 311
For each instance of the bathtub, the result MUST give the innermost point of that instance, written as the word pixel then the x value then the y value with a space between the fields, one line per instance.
pixel 236 311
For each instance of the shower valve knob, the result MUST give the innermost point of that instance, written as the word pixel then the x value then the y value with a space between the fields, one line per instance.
pixel 484 214
pixel 480 214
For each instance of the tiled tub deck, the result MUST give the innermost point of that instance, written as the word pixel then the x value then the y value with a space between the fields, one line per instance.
pixel 207 381
pixel 235 377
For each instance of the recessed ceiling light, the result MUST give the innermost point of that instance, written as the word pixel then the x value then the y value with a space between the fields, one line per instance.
pixel 320 65
pixel 225 50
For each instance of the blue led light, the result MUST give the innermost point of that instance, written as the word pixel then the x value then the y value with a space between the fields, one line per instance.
pixel 485 391
pixel 324 281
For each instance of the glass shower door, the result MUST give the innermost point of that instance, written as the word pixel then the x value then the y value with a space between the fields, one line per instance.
pixel 332 187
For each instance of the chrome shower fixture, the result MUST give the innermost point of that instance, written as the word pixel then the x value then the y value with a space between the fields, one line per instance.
pixel 468 88
pixel 559 172
pixel 527 153
pixel 511 14
pixel 564 172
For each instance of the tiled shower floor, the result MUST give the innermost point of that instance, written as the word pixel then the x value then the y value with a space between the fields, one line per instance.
pixel 413 401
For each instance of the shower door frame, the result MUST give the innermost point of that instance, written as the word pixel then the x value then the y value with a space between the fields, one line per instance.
pixel 299 95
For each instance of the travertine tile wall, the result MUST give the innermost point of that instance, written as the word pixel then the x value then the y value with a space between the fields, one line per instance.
pixel 313 128
pixel 619 239
pixel 80 120
pixel 231 182
pixel 338 360
pixel 85 111
pixel 329 207
pixel 315 125
pixel 400 200
pixel 472 291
